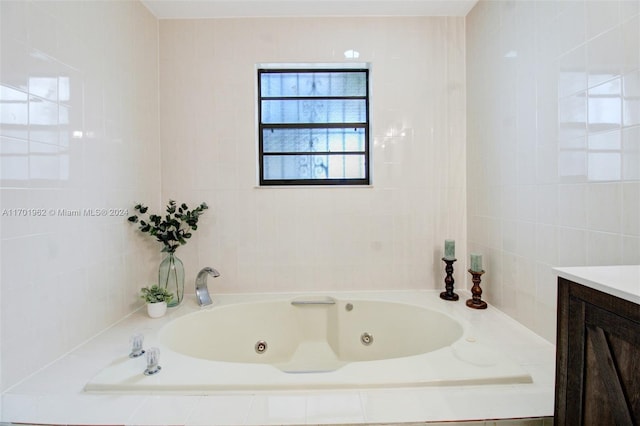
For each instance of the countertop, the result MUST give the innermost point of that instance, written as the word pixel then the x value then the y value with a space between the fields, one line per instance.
pixel 622 281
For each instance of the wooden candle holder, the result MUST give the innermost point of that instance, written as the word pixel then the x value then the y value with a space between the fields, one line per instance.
pixel 448 281
pixel 476 291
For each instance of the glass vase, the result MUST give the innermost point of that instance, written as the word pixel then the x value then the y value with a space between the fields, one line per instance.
pixel 171 277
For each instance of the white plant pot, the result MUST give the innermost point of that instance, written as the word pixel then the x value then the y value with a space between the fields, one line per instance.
pixel 156 310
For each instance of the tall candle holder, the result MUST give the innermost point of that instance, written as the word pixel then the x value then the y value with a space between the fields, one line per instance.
pixel 476 291
pixel 448 281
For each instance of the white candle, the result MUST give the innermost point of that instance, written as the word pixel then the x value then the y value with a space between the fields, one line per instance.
pixel 476 262
pixel 449 249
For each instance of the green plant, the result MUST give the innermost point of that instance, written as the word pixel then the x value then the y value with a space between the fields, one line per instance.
pixel 155 294
pixel 172 229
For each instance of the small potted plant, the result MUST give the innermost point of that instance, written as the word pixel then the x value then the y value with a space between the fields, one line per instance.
pixel 157 299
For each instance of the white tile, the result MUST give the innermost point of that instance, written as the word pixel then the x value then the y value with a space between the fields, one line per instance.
pixel 604 57
pixel 546 244
pixel 601 16
pixel 66 376
pixel 572 205
pixel 384 406
pixel 334 408
pixel 525 269
pixel 13 224
pixel 631 209
pixel 545 326
pixel 526 243
pixel 604 248
pixel 631 98
pixel 17 407
pixel 546 285
pixel 527 203
pixel 547 164
pixel 572 116
pixel 14 21
pixel 605 106
pixel 14 66
pixel 15 116
pixel 277 409
pixel 546 43
pixel 573 71
pixel 572 165
pixel 629 9
pixel 572 246
pixel 631 38
pixel 84 409
pixel 547 204
pixel 605 141
pixel 604 166
pixel 571 26
pixel 546 12
pixel 41 29
pixel 630 250
pixel 604 207
pixel 156 410
pixel 537 404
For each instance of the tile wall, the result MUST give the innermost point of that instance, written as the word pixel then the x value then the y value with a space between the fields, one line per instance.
pixel 553 150
pixel 78 134
pixel 388 236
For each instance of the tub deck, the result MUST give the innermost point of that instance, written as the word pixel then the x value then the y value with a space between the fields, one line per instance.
pixel 55 395
pixel 199 351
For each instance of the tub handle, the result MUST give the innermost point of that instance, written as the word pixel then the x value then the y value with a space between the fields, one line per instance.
pixel 327 301
pixel 153 357
pixel 136 346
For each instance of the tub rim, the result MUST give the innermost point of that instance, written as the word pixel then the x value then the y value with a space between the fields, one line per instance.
pixel 122 376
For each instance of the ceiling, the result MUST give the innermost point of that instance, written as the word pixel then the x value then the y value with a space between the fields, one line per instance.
pixel 187 9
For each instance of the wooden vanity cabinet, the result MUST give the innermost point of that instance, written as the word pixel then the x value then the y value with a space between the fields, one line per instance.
pixel 597 358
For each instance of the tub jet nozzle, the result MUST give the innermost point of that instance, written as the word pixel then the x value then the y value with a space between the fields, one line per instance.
pixel 261 346
pixel 366 338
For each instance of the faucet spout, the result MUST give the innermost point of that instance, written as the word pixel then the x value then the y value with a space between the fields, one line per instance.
pixel 202 291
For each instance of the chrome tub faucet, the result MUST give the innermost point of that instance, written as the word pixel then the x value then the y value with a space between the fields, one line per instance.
pixel 202 292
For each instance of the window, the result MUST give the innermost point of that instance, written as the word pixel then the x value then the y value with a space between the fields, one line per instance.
pixel 313 126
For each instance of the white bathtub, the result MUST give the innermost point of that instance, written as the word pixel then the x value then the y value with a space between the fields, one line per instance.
pixel 314 342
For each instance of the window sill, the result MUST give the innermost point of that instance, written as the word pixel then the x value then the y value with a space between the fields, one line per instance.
pixel 313 186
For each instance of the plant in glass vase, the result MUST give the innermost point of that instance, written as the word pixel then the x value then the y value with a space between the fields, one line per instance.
pixel 172 230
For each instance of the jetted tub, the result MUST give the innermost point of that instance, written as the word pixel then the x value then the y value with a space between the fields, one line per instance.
pixel 313 342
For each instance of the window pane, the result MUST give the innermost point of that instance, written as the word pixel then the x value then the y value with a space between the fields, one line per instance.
pixel 346 166
pixel 312 111
pixel 313 140
pixel 314 167
pixel 324 84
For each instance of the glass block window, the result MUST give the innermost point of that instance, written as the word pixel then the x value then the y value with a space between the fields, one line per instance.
pixel 313 126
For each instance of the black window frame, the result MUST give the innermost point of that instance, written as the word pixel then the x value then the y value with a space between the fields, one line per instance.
pixel 366 180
